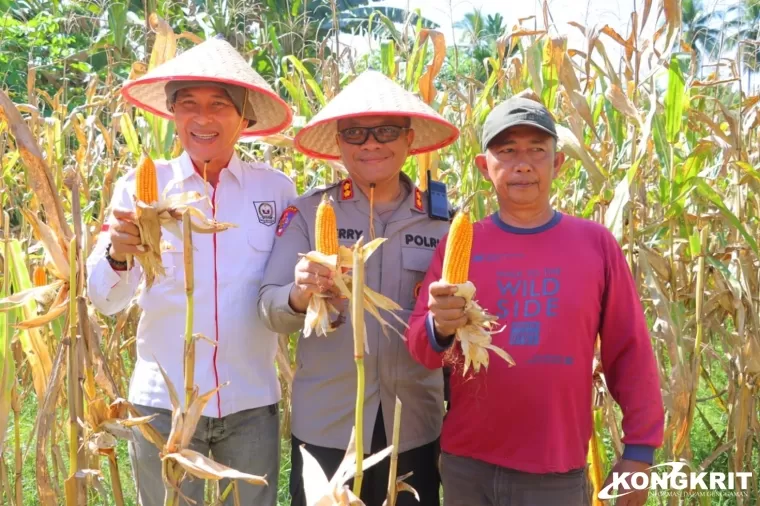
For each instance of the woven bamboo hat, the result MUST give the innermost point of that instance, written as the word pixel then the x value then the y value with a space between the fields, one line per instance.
pixel 214 60
pixel 373 94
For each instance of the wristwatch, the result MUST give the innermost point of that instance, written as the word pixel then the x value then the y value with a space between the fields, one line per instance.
pixel 115 264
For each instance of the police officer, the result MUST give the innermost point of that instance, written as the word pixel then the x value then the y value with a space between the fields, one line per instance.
pixel 372 126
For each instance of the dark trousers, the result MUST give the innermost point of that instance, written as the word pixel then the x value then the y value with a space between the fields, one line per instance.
pixel 423 461
pixel 470 482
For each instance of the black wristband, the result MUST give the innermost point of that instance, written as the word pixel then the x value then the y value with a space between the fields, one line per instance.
pixel 117 265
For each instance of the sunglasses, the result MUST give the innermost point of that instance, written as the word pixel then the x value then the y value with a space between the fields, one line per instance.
pixel 382 134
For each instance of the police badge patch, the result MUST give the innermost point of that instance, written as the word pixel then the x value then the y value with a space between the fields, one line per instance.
pixel 266 212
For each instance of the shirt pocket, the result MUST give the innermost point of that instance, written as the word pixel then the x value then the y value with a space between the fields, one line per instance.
pixel 172 259
pixel 414 263
pixel 260 241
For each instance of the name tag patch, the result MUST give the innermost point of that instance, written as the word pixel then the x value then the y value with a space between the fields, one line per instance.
pixel 266 212
pixel 420 241
pixel 349 234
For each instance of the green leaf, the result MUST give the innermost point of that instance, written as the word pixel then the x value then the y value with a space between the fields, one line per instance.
pixel 310 81
pixel 614 216
pixel 130 135
pixel 388 58
pixel 706 191
pixel 695 245
pixel 7 364
pixel 674 99
pixel 294 8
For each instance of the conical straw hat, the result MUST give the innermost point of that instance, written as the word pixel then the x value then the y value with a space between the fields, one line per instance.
pixel 213 60
pixel 373 94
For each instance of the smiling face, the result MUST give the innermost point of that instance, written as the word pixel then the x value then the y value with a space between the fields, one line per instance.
pixel 372 161
pixel 207 122
pixel 521 162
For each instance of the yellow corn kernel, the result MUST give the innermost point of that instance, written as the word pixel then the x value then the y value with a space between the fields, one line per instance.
pixel 39 276
pixel 146 181
pixel 456 260
pixel 326 229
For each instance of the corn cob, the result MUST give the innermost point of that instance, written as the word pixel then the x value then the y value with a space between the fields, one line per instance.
pixel 39 276
pixel 456 260
pixel 326 229
pixel 146 182
pixel 475 336
pixel 154 212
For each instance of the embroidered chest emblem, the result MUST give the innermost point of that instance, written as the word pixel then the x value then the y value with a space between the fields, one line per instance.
pixel 266 212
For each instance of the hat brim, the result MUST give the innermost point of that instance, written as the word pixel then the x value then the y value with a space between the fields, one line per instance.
pixel 487 141
pixel 273 113
pixel 443 132
pixel 374 94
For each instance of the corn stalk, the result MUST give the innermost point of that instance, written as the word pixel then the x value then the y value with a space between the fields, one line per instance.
pixel 357 321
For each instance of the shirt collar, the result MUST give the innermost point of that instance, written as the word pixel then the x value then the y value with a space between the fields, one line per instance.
pixel 184 168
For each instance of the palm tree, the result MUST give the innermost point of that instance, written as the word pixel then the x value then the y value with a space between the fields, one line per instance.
pixel 749 32
pixel 698 30
pixel 481 29
pixel 481 34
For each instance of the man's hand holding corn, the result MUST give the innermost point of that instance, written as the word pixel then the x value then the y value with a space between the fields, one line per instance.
pixel 310 278
pixel 447 309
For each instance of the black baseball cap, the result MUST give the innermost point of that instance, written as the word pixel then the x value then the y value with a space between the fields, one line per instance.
pixel 516 111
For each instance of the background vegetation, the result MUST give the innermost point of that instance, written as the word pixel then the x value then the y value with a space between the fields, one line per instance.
pixel 662 148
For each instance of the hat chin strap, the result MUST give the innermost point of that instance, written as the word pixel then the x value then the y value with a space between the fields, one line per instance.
pixel 372 211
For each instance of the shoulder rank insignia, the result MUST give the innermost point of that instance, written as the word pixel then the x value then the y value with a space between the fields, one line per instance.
pixel 417 199
pixel 346 190
pixel 285 219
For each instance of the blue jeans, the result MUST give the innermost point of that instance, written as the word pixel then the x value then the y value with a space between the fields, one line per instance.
pixel 247 441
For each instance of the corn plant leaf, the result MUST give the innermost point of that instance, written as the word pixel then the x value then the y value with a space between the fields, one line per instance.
pixel 194 414
pixel 315 482
pixel 42 320
pixel 674 99
pixel 23 297
pixel 50 243
pixel 165 44
pixel 388 58
pixel 551 68
pixel 130 135
pixel 622 103
pixel 427 88
pixel 570 145
pixel 615 213
pixel 307 77
pixel 709 193
pixel 40 177
pixel 206 469
pixel 7 364
pixel 32 344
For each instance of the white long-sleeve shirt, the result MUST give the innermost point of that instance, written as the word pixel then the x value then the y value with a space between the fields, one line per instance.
pixel 228 271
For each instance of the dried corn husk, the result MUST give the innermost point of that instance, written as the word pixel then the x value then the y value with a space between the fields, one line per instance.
pixel 475 336
pixel 319 311
pixel 167 213
pixel 320 491
pixel 175 452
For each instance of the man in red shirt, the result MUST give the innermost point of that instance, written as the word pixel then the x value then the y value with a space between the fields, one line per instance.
pixel 519 435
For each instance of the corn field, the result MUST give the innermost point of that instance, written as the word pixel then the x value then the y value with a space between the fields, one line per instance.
pixel 661 149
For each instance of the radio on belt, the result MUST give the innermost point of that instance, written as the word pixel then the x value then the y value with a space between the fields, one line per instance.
pixel 438 201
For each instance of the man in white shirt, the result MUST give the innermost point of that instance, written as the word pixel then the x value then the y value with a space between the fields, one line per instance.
pixel 213 96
